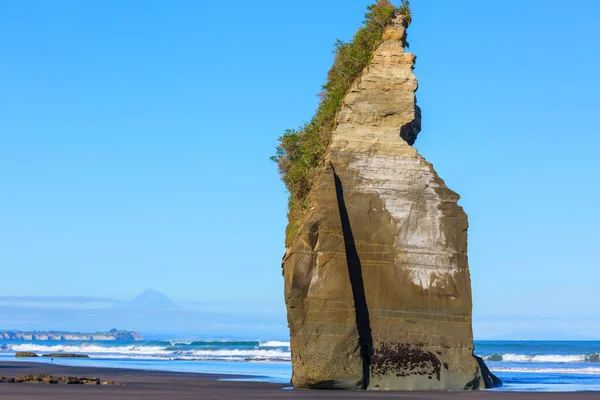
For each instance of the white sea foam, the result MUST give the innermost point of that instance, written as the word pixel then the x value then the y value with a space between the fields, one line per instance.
pixel 157 352
pixel 559 358
pixel 90 349
pixel 180 342
pixel 548 358
pixel 582 371
pixel 275 343
pixel 241 353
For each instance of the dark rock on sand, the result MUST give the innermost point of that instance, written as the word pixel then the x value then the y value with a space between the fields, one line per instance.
pixel 489 380
pixel 73 380
pixel 51 380
pixel 25 354
pixel 36 378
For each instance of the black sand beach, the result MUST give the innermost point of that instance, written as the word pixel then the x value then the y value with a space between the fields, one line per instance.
pixel 150 385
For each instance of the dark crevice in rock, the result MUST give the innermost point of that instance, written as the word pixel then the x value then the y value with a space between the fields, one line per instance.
pixel 410 131
pixel 313 235
pixel 473 384
pixel 363 322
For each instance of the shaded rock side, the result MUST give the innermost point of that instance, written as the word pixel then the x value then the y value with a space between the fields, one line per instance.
pixel 377 285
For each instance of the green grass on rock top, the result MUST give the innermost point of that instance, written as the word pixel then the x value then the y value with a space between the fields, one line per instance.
pixel 300 154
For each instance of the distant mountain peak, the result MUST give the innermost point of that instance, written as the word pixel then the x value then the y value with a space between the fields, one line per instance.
pixel 151 294
pixel 150 300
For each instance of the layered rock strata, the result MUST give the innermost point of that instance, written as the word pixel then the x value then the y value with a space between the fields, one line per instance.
pixel 377 285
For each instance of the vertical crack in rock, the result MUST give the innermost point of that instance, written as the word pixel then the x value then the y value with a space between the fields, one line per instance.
pixel 363 323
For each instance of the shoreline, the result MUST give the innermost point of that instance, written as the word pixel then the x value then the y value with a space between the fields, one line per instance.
pixel 150 385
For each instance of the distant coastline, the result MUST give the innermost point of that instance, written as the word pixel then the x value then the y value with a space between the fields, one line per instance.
pixel 113 334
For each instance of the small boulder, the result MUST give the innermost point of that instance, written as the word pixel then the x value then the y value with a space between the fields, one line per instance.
pixel 25 354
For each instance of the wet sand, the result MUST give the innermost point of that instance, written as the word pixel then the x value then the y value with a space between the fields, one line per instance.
pixel 151 385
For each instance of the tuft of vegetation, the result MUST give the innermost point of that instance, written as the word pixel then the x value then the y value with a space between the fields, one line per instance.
pixel 300 154
pixel 404 10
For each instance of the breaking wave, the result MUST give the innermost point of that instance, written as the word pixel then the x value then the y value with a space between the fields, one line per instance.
pixel 579 371
pixel 213 343
pixel 88 348
pixel 544 358
pixel 173 350
pixel 275 343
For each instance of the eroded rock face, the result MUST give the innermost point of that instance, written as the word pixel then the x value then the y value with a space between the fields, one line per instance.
pixel 377 284
pixel 50 380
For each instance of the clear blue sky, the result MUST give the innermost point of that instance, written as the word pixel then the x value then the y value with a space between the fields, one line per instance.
pixel 135 138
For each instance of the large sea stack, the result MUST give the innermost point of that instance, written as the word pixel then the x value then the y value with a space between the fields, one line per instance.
pixel 377 285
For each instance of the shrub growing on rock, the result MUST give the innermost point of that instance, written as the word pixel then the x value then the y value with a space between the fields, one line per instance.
pixel 300 153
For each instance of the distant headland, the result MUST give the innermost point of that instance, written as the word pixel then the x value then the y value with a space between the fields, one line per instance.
pixel 113 334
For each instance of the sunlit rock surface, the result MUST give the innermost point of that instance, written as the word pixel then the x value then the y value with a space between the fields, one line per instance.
pixel 377 283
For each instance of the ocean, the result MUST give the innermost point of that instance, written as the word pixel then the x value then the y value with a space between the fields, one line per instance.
pixel 522 365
